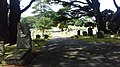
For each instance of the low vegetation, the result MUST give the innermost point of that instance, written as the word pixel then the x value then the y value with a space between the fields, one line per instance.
pixel 37 44
pixel 107 38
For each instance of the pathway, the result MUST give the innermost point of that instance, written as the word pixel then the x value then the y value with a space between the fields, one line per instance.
pixel 63 52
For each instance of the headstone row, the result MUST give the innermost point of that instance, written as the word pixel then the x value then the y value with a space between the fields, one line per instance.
pixel 99 34
pixel 90 32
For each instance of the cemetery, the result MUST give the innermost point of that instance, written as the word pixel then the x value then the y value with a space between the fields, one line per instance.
pixel 78 34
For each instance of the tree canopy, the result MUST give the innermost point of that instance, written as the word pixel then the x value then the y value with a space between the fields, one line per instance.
pixel 76 9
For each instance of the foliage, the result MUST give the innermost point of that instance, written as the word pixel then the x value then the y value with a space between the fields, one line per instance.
pixel 107 14
pixel 43 23
pixel 90 24
pixel 84 21
pixel 40 7
pixel 53 16
pixel 62 25
pixel 31 20
pixel 75 9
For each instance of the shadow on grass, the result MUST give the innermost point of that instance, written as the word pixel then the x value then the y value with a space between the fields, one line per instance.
pixel 69 53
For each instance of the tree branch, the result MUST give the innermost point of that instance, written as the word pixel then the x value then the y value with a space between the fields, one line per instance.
pixel 88 1
pixel 115 4
pixel 79 2
pixel 29 5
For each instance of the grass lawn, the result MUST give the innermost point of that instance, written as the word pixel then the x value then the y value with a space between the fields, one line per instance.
pixel 95 39
pixel 38 44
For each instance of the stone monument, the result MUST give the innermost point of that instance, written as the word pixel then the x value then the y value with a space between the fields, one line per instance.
pixel 22 54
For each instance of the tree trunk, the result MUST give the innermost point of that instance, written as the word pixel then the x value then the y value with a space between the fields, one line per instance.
pixel 14 18
pixel 3 25
pixel 3 20
pixel 101 25
pixel 115 21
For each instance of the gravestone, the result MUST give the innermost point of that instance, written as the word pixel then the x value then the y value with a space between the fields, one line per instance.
pixel 78 32
pixel 90 32
pixel 46 36
pixel 38 36
pixel 22 54
pixel 2 48
pixel 84 33
pixel 100 34
pixel 118 32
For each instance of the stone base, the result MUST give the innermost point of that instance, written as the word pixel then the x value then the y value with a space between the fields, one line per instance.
pixel 2 48
pixel 20 57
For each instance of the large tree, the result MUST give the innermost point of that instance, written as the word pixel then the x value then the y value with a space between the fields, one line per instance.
pixel 77 9
pixel 115 21
pixel 14 18
pixel 95 5
pixel 3 20
pixel 9 26
pixel 3 24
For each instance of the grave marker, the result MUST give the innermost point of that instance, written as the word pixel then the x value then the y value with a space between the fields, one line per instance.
pixel 100 34
pixel 78 32
pixel 90 32
pixel 84 33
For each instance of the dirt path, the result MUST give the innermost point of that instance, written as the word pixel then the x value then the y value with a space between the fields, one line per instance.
pixel 62 52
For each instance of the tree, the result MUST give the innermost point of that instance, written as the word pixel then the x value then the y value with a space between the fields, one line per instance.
pixel 30 21
pixel 53 15
pixel 14 18
pixel 62 25
pixel 115 21
pixel 91 8
pixel 95 5
pixel 3 20
pixel 3 25
pixel 44 23
pixel 41 7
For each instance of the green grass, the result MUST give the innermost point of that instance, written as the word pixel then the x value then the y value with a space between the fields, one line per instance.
pixel 37 44
pixel 94 39
pixel 10 49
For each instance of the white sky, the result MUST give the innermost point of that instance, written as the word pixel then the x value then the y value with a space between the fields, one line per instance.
pixel 104 4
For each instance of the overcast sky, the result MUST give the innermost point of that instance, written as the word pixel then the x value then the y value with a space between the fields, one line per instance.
pixel 104 4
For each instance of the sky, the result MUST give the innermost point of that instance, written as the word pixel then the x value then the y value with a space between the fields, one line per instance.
pixel 104 4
